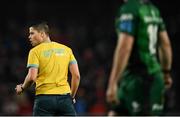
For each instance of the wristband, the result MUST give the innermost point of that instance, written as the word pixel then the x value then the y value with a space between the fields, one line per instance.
pixel 166 71
pixel 22 88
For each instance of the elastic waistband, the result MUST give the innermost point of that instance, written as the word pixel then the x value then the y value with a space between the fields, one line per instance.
pixel 53 94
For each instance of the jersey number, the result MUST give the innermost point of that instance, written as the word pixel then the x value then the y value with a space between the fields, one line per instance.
pixel 152 31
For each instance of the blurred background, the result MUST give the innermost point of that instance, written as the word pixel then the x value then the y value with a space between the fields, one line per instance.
pixel 88 28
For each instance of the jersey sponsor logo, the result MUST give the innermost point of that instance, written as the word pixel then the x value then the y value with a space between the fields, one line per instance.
pixel 59 54
pixel 149 19
pixel 57 51
pixel 135 106
pixel 157 107
pixel 126 17
pixel 47 53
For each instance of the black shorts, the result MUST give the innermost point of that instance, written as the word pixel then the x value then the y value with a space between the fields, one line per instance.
pixel 53 105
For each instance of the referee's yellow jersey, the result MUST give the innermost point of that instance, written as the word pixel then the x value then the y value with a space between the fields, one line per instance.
pixel 52 60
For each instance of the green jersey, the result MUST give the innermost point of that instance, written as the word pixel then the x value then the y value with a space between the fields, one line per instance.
pixel 143 22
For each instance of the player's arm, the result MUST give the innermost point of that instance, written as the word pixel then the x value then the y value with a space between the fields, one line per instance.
pixel 165 51
pixel 165 56
pixel 121 56
pixel 75 78
pixel 29 80
pixel 120 60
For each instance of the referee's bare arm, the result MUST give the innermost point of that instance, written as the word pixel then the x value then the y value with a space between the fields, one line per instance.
pixel 75 79
pixel 29 80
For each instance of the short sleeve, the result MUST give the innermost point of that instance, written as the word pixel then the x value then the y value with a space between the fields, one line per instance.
pixel 126 21
pixel 72 58
pixel 33 60
pixel 162 25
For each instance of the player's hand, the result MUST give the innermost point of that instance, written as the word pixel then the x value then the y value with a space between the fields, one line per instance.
pixel 19 89
pixel 111 94
pixel 168 81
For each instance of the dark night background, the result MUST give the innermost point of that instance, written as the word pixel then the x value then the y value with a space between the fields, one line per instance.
pixel 88 28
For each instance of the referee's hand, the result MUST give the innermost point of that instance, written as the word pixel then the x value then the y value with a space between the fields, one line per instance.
pixel 73 100
pixel 19 89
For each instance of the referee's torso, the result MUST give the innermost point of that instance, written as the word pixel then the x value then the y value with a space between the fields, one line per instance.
pixel 52 60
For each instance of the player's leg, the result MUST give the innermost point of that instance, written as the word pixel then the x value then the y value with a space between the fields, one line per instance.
pixel 157 95
pixel 144 94
pixel 133 93
pixel 119 109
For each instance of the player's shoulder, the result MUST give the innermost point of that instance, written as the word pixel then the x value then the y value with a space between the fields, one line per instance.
pixel 130 7
pixel 155 8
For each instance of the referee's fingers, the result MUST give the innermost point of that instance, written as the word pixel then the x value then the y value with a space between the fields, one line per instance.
pixel 74 101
